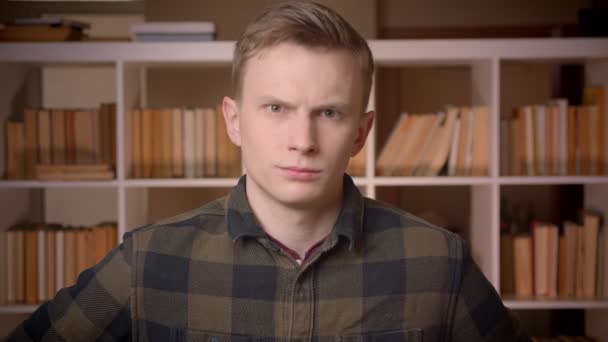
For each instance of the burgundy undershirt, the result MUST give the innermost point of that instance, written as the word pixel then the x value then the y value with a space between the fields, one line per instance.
pixel 293 253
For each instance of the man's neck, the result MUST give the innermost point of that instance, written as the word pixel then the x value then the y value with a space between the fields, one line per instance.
pixel 297 228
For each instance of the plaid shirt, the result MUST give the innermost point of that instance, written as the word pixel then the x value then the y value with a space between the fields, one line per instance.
pixel 213 275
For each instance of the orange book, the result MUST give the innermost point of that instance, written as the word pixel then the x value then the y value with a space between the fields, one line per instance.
pixel 524 272
pixel 81 256
pixel 583 140
pixel 157 143
pixel 437 154
pixel 480 155
pixel 20 264
pixel 561 268
pixel 597 96
pixel 91 253
pixel 552 260
pixel 15 167
pixel 432 122
pixel 199 142
pixel 572 141
pixel 70 143
pixel 413 127
pixel 58 136
pixel 392 145
pixel 590 235
pixel 84 137
pixel 178 143
pixel 44 137
pixel 136 145
pixel 51 261
pixel 31 142
pixel 101 242
pixel 31 264
pixel 166 162
pixel 147 139
pixel 69 256
pixel 548 143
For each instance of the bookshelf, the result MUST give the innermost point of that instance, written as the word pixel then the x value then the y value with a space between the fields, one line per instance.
pixel 484 60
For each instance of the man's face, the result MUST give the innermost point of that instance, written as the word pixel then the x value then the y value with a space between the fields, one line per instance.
pixel 298 122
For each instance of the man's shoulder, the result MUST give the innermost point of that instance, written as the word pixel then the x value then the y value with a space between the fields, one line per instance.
pixel 383 220
pixel 209 218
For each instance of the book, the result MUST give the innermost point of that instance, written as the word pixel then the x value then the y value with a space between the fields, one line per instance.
pixel 11 265
pixel 58 136
pixel 44 137
pixel 200 131
pixel 178 143
pixel 190 144
pixel 507 266
pixel 84 137
pixel 524 272
pixel 136 145
pixel 480 148
pixel 392 145
pixel 41 263
pixel 30 244
pixel 16 155
pixel 591 228
pixel 147 142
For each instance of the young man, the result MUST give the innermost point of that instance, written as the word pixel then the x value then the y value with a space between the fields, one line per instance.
pixel 294 253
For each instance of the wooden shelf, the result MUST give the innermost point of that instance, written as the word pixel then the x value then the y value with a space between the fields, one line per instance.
pixel 546 304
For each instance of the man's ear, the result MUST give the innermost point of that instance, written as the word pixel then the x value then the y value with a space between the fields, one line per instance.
pixel 365 125
pixel 231 116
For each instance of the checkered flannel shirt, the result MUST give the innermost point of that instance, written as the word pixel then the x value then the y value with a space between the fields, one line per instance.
pixel 213 275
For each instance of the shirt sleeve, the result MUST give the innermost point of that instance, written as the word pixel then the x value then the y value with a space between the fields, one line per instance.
pixel 95 308
pixel 479 312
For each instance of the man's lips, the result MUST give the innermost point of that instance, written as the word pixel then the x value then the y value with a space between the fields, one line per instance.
pixel 300 173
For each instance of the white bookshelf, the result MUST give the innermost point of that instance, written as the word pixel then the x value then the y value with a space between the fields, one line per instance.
pixel 483 57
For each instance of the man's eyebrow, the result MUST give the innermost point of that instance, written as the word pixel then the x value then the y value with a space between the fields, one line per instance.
pixel 330 104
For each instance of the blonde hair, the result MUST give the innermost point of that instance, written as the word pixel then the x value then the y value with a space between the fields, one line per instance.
pixel 307 24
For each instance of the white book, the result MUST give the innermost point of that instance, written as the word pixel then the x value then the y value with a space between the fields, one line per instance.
pixel 540 139
pixel 178 146
pixel 59 243
pixel 469 144
pixel 11 241
pixel 189 148
pixel 454 149
pixel 41 239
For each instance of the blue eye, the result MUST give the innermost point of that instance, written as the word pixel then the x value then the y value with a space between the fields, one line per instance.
pixel 274 108
pixel 329 113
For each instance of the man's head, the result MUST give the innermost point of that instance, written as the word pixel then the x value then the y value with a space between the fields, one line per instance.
pixel 302 78
pixel 306 24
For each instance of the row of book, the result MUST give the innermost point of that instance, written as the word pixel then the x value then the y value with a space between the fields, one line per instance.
pixel 43 258
pixel 545 263
pixel 49 143
pixel 424 144
pixel 182 142
pixel 557 139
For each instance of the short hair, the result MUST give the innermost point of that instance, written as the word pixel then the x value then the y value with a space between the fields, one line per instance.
pixel 307 24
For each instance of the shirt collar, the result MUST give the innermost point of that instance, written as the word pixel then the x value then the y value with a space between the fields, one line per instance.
pixel 242 222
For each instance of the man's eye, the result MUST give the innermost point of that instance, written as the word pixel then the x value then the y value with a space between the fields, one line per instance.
pixel 274 108
pixel 329 113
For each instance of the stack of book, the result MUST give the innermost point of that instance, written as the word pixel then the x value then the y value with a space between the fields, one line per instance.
pixel 43 29
pixel 545 263
pixel 182 143
pixel 557 139
pixel 43 258
pixel 173 31
pixel 62 144
pixel 453 143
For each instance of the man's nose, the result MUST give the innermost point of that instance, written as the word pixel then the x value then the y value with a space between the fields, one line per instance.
pixel 303 133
